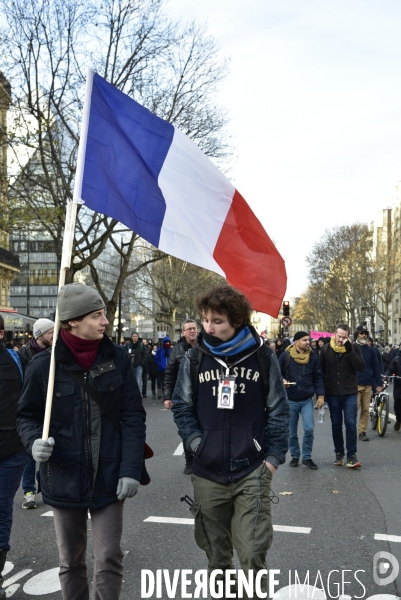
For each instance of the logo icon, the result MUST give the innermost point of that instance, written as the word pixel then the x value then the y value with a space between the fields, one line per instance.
pixel 382 564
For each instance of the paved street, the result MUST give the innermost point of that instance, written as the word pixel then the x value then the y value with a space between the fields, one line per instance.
pixel 332 519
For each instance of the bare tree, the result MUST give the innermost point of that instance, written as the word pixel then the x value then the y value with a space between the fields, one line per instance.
pixel 339 265
pixel 317 310
pixel 173 285
pixel 174 70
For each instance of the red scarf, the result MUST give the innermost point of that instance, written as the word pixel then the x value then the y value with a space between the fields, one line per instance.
pixel 84 351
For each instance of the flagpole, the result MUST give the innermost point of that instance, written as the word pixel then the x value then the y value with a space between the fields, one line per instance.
pixel 68 241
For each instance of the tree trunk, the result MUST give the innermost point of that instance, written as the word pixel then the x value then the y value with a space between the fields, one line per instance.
pixel 386 327
pixel 173 322
pixel 111 308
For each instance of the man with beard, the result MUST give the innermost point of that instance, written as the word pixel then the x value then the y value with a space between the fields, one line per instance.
pixel 368 379
pixel 340 360
pixel 236 447
pixel 300 365
pixel 42 340
pixel 189 331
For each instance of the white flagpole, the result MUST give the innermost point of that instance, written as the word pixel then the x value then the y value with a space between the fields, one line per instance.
pixel 68 241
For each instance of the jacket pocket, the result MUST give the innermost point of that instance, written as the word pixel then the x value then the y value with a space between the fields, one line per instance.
pixel 243 451
pixel 63 402
pixel 109 384
pixel 211 449
pixel 61 476
pixel 111 389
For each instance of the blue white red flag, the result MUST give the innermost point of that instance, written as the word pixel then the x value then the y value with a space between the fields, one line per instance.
pixel 142 171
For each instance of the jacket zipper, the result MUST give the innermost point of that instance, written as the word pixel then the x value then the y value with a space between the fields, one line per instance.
pixel 88 452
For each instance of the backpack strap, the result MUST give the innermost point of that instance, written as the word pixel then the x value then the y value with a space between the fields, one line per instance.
pixel 15 356
pixel 264 353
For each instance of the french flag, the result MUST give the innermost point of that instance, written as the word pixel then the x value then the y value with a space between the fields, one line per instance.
pixel 142 171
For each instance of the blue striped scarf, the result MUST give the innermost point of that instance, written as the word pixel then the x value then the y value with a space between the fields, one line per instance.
pixel 244 340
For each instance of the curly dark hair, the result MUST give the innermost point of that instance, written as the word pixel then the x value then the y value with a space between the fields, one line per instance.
pixel 228 301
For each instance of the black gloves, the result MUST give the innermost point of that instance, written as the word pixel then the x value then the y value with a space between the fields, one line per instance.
pixel 348 346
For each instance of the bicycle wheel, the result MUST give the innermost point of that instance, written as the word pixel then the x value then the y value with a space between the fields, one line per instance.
pixel 382 413
pixel 373 415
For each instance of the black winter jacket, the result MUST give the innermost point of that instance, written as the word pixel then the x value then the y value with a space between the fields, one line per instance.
pixel 26 353
pixel 90 454
pixel 10 390
pixel 309 377
pixel 172 368
pixel 153 368
pixel 386 360
pixel 138 354
pixel 339 370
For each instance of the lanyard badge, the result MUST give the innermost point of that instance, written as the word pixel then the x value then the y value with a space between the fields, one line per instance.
pixel 225 395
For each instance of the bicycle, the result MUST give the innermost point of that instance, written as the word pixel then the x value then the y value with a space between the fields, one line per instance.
pixel 380 408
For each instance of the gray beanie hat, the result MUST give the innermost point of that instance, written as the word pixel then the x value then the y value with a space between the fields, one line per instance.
pixel 77 300
pixel 41 326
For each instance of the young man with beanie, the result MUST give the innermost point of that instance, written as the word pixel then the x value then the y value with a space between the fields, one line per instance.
pixel 340 361
pixel 13 456
pixel 42 340
pixel 299 365
pixel 237 443
pixel 93 459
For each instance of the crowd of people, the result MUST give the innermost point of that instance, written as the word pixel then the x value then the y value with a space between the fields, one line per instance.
pixel 236 400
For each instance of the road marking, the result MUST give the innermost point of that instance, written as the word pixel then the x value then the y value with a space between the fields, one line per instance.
pixel 387 538
pixel 173 520
pixel 45 582
pixel 50 513
pixel 392 416
pixel 7 567
pixel 180 450
pixel 17 576
pixel 169 520
pixel 12 589
pixel 289 529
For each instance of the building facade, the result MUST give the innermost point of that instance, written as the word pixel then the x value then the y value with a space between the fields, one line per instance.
pixel 9 262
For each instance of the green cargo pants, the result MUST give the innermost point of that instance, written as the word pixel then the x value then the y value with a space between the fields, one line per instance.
pixel 236 515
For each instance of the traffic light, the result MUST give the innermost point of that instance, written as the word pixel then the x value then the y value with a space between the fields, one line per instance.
pixel 286 308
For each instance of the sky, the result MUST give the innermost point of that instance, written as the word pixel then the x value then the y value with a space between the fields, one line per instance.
pixel 313 94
